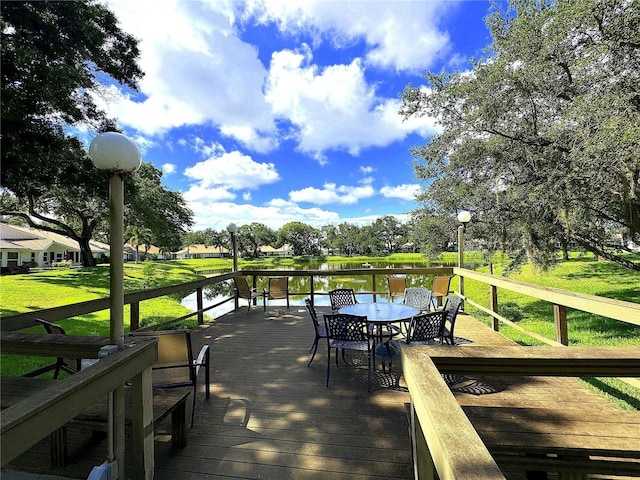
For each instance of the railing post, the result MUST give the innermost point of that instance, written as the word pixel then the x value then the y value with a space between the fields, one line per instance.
pixel 199 305
pixel 255 286
pixel 312 291
pixel 373 287
pixel 494 307
pixel 134 316
pixel 560 320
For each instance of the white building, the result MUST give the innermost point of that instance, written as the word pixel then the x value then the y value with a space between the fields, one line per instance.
pixel 39 248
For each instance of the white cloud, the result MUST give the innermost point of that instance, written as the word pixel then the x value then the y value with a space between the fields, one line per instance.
pixel 274 215
pixel 399 36
pixel 198 194
pixel 331 193
pixel 232 170
pixel 333 108
pixel 367 169
pixel 404 191
pixel 197 71
pixel 168 168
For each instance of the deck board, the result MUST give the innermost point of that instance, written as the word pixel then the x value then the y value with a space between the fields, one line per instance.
pixel 271 417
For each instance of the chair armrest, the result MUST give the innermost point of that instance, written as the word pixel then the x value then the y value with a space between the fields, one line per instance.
pixel 203 361
pixel 203 358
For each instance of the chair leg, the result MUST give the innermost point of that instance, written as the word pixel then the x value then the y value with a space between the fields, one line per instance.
pixel 328 363
pixel 193 405
pixel 314 347
pixel 369 376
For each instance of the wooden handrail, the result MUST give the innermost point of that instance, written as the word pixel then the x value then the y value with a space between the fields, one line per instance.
pixel 607 307
pixel 27 422
pixel 444 439
pixel 523 361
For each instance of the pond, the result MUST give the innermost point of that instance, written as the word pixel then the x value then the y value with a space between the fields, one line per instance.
pixel 217 293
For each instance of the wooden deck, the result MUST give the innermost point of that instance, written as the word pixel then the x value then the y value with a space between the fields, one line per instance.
pixel 271 417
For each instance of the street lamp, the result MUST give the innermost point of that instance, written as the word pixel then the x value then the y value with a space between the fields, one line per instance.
pixel 118 155
pixel 464 217
pixel 232 228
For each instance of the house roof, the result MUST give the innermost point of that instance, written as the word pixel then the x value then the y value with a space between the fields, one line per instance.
pixel 200 248
pixel 14 237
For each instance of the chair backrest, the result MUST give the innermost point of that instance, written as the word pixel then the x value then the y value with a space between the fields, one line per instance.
pixel 450 310
pixel 342 297
pixel 242 287
pixel 278 287
pixel 51 328
pixel 345 327
pixel 440 286
pixel 312 312
pixel 425 327
pixel 175 364
pixel 396 285
pixel 418 297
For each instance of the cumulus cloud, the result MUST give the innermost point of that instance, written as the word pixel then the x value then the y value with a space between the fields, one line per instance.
pixel 331 193
pixel 405 191
pixel 168 168
pixel 232 170
pixel 275 214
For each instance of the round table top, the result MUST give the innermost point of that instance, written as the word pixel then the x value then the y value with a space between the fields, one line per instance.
pixel 381 312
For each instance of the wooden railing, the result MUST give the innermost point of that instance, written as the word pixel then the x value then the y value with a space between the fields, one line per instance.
pixel 445 444
pixel 27 422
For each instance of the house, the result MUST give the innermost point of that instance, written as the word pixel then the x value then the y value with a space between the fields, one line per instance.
pixel 200 251
pixel 269 251
pixel 39 248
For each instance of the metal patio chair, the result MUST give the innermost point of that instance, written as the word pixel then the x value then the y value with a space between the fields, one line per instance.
pixel 451 309
pixel 440 290
pixel 342 297
pixel 426 328
pixel 348 332
pixel 319 328
pixel 396 285
pixel 278 289
pixel 176 365
pixel 249 294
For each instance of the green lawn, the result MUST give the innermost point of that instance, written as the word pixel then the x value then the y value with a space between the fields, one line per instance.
pixel 50 288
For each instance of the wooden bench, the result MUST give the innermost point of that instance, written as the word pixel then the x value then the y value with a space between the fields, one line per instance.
pixel 165 403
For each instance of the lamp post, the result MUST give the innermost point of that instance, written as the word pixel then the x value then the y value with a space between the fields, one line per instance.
pixel 464 217
pixel 232 228
pixel 118 155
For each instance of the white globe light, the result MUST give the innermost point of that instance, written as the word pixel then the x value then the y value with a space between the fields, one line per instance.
pixel 232 228
pixel 115 152
pixel 464 216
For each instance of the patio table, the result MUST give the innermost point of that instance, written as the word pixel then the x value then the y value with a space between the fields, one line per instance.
pixel 380 315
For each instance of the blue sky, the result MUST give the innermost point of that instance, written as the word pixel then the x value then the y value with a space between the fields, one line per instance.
pixel 274 111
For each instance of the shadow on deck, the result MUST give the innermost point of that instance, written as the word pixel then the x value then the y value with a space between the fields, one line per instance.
pixel 271 417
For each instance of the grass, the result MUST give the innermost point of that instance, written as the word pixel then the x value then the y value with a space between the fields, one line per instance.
pixel 51 288
pixel 579 274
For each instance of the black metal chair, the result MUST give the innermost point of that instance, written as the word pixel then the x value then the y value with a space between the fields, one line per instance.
pixel 319 328
pixel 451 309
pixel 426 328
pixel 176 366
pixel 348 332
pixel 67 365
pixel 342 297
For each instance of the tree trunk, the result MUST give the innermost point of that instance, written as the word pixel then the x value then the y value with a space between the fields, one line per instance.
pixel 85 250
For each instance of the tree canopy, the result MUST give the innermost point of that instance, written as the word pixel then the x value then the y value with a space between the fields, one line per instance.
pixel 541 140
pixel 56 56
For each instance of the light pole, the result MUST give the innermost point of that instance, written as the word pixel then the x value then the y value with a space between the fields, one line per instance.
pixel 232 228
pixel 118 155
pixel 464 217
